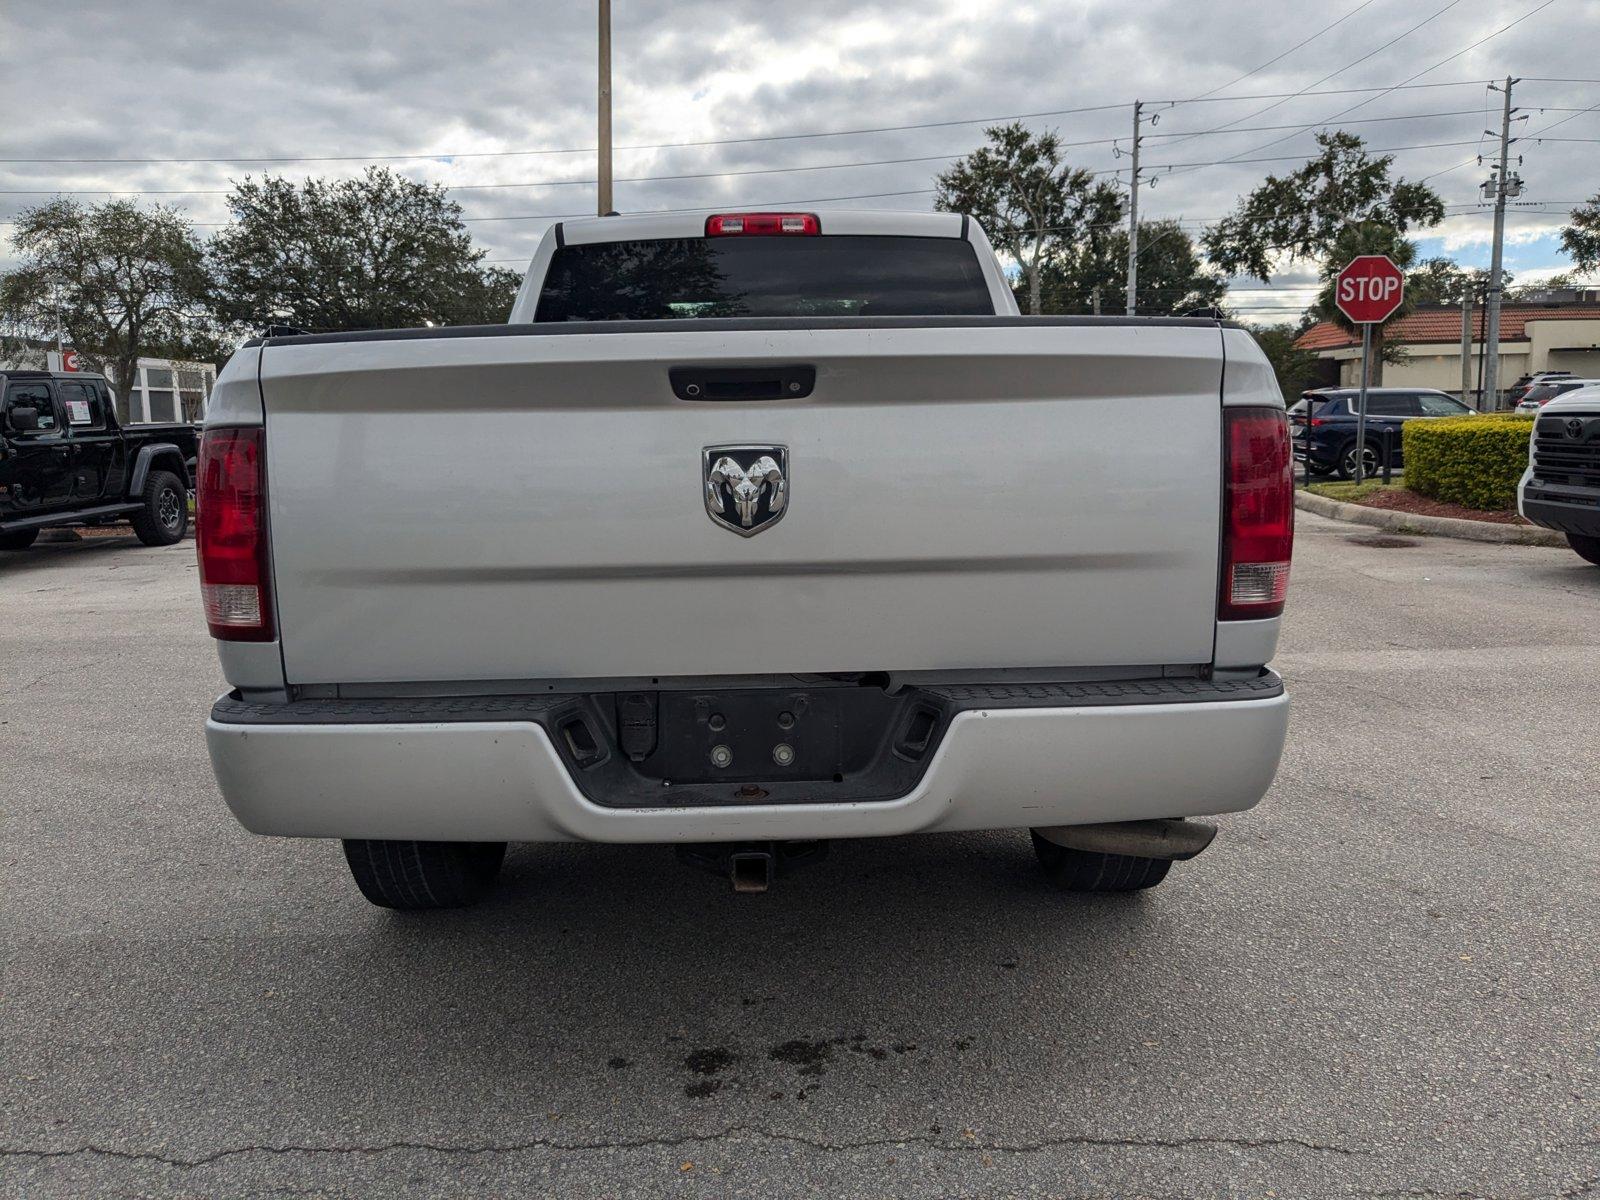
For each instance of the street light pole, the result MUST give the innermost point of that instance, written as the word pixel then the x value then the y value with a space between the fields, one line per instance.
pixel 604 143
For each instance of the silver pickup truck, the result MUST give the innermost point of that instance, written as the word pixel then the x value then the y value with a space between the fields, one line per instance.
pixel 749 531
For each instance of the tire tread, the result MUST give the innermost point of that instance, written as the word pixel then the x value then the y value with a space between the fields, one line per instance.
pixel 1091 871
pixel 416 876
pixel 146 526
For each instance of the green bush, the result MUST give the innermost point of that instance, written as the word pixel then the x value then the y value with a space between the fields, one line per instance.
pixel 1475 461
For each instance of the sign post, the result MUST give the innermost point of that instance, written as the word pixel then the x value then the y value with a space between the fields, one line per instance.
pixel 1367 291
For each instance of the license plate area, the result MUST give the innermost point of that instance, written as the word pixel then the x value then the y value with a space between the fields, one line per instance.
pixel 749 745
pixel 746 736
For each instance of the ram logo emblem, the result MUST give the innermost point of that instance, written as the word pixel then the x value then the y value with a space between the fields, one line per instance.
pixel 746 487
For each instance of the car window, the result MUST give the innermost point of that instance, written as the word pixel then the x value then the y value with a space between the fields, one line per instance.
pixel 83 406
pixel 1435 405
pixel 1393 404
pixel 1541 392
pixel 31 395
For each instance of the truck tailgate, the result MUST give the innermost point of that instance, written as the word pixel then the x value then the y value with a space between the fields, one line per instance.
pixel 981 493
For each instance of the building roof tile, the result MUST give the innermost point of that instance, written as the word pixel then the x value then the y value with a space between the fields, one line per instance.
pixel 1442 323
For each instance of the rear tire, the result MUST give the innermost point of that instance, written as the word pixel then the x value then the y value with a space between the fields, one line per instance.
pixel 1588 548
pixel 164 519
pixel 20 540
pixel 1092 871
pixel 421 875
pixel 1372 461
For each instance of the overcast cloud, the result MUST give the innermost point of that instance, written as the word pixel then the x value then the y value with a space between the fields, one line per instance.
pixel 152 79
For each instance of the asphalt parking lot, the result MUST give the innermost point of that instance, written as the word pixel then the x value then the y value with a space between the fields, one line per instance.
pixel 1381 982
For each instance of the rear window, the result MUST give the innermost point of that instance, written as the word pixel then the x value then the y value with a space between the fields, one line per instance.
pixel 764 277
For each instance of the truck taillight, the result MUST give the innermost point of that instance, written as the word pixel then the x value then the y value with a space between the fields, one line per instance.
pixel 231 534
pixel 1258 514
pixel 763 225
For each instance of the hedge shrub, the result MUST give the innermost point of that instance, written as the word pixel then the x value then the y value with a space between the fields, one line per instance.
pixel 1475 461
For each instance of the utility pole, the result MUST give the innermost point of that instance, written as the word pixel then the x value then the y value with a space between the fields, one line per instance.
pixel 1133 216
pixel 604 173
pixel 1503 185
pixel 1096 294
pixel 1466 346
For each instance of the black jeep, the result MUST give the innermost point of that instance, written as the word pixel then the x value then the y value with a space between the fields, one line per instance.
pixel 64 460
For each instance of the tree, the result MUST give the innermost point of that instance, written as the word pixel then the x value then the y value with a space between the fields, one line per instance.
pixel 1173 279
pixel 1029 201
pixel 1301 215
pixel 1296 369
pixel 124 281
pixel 1581 239
pixel 1352 241
pixel 376 252
pixel 1444 281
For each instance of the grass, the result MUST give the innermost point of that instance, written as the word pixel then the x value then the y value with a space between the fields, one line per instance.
pixel 1351 492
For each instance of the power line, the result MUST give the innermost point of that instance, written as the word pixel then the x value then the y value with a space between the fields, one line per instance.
pixel 1357 62
pixel 1575 115
pixel 645 211
pixel 778 137
pixel 536 183
pixel 464 187
pixel 1403 83
pixel 1286 53
pixel 1287 157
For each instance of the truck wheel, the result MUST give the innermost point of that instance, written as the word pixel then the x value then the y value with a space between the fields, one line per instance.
pixel 420 875
pixel 20 540
pixel 1091 871
pixel 165 516
pixel 1587 547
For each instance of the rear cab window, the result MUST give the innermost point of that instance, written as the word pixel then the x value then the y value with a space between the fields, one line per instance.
pixel 822 276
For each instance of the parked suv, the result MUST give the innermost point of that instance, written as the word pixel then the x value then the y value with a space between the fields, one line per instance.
pixel 1539 394
pixel 1325 425
pixel 64 460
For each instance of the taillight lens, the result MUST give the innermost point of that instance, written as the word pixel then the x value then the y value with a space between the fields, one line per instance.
pixel 231 534
pixel 1258 514
pixel 763 225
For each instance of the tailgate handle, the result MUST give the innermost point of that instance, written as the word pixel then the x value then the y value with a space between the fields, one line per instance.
pixel 743 383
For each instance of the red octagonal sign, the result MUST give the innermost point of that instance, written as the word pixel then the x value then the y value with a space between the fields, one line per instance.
pixel 1369 289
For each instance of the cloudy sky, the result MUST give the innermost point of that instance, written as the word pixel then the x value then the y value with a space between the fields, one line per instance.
pixel 496 100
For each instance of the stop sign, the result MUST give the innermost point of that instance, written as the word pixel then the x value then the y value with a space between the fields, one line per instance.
pixel 1369 289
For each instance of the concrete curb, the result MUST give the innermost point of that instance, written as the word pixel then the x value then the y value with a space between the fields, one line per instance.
pixel 1404 522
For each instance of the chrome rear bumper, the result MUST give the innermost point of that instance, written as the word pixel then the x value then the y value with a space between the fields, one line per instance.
pixel 504 780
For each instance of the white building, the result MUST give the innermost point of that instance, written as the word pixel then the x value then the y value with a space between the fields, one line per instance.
pixel 165 390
